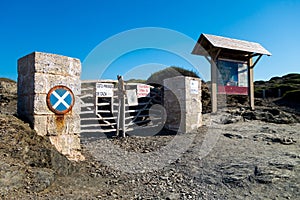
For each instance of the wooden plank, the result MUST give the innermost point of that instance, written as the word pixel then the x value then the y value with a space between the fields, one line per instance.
pixel 140 104
pixel 102 104
pixel 251 84
pixel 103 111
pixel 87 119
pixel 86 89
pixel 87 95
pixel 130 117
pixel 87 105
pixel 108 118
pixel 256 61
pixel 96 125
pixel 87 112
pixel 213 94
pixel 110 124
pixel 97 130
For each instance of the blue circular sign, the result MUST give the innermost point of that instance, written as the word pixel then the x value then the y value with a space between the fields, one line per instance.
pixel 60 99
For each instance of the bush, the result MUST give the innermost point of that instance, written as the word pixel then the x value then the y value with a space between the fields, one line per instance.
pixel 291 76
pixel 292 81
pixel 158 78
pixel 135 81
pixel 259 82
pixel 7 80
pixel 276 78
pixel 293 96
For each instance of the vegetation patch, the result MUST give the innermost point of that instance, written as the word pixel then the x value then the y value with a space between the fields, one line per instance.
pixel 277 86
pixel 293 96
pixel 158 78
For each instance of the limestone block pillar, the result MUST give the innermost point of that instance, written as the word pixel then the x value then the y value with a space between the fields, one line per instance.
pixel 182 101
pixel 38 75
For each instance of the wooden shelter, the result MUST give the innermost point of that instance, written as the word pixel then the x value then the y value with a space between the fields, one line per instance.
pixel 217 48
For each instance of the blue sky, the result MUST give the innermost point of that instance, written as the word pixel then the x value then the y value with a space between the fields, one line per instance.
pixel 75 28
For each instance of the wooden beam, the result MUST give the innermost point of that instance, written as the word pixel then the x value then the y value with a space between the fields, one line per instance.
pixel 214 84
pixel 256 61
pixel 251 84
pixel 214 99
pixel 217 55
pixel 253 55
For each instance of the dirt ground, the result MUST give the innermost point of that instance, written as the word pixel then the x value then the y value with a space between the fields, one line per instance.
pixel 236 154
pixel 242 160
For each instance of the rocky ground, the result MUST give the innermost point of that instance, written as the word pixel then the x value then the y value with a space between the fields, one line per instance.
pixel 8 96
pixel 237 154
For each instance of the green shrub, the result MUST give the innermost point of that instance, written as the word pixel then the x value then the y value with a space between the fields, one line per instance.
pixel 259 82
pixel 135 81
pixel 7 80
pixel 157 78
pixel 276 78
pixel 291 76
pixel 292 81
pixel 293 96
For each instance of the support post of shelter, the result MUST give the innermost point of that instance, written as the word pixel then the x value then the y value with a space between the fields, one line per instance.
pixel 214 100
pixel 250 84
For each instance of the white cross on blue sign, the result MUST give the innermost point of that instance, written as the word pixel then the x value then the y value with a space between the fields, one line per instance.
pixel 60 99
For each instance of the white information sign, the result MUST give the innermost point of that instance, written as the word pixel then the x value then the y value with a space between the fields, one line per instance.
pixel 132 97
pixel 143 90
pixel 104 89
pixel 194 87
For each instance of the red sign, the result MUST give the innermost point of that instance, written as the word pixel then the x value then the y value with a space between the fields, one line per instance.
pixel 143 90
pixel 233 90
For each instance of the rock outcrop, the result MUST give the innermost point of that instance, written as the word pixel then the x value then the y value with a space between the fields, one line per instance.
pixel 8 96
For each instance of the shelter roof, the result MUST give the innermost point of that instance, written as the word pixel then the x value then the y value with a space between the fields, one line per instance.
pixel 227 47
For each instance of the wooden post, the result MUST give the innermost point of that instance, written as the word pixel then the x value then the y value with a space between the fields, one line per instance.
pixel 214 100
pixel 121 108
pixel 264 93
pixel 118 118
pixel 250 84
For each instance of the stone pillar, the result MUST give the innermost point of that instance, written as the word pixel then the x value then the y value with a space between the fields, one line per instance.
pixel 182 101
pixel 38 73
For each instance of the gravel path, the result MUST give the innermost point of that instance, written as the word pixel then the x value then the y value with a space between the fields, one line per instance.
pixel 243 160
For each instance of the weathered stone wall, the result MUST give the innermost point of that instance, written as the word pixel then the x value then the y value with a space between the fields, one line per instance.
pixel 183 103
pixel 37 74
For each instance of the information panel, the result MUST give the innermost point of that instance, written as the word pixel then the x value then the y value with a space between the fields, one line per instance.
pixel 233 77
